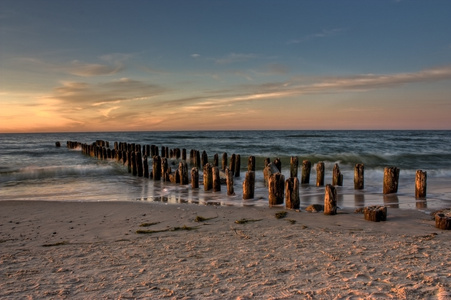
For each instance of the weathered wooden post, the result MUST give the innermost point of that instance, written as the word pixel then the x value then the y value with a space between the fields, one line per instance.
pixel 191 157
pixel 292 200
pixel 420 184
pixel 208 177
pixel 183 172
pixel 204 158
pixel 337 177
pixel 251 163
pixel 156 168
pixel 129 161
pixel 266 162
pixel 320 173
pixel 197 158
pixel 216 160
pixel 294 164
pixel 229 181
pixel 391 177
pixel 237 165
pixel 173 177
pixel 57 144
pixel 249 185
pixel 306 167
pixel 375 213
pixel 232 163
pixel 134 164
pixel 330 200
pixel 358 177
pixel 443 220
pixel 184 154
pixel 224 161
pixel 195 178
pixel 276 185
pixel 139 164
pixel 278 163
pixel 165 169
pixel 268 171
pixel 145 166
pixel 216 180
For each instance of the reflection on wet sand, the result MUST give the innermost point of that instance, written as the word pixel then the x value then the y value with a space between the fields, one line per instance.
pixel 391 200
pixel 359 200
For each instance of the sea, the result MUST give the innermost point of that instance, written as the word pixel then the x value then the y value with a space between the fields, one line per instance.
pixel 33 168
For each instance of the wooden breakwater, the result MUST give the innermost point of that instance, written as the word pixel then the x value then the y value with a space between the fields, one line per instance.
pixel 173 165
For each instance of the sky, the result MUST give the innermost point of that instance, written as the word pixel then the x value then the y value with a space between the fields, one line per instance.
pixel 110 65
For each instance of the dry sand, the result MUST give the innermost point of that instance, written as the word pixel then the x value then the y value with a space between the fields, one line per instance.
pixel 92 251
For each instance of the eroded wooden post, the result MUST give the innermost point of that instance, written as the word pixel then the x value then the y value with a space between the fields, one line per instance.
pixel 216 180
pixel 129 161
pixel 420 184
pixel 237 165
pixel 391 178
pixel 276 186
pixel 139 164
pixel 134 163
pixel 224 161
pixel 145 166
pixel 320 173
pixel 204 158
pixel 306 168
pixel 229 180
pixel 156 168
pixel 232 163
pixel 197 158
pixel 292 200
pixel 337 177
pixel 249 185
pixel 278 163
pixel 216 160
pixel 268 171
pixel 330 200
pixel 183 172
pixel 165 170
pixel 294 165
pixel 251 163
pixel 208 177
pixel 375 213
pixel 195 178
pixel 359 177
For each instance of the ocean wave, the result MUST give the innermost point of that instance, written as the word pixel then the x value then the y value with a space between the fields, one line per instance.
pixel 33 172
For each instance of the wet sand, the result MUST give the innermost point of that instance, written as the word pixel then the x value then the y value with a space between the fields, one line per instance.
pixel 80 250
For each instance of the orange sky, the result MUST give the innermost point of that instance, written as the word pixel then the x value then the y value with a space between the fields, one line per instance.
pixel 82 66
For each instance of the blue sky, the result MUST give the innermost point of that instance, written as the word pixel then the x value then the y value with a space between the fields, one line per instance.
pixel 206 65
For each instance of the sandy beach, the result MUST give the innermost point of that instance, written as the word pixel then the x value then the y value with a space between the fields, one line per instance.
pixel 91 250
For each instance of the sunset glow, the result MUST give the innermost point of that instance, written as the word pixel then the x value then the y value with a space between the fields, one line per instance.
pixel 219 65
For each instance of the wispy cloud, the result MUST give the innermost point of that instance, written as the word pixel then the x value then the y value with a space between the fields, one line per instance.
pixel 82 93
pixel 87 70
pixel 296 87
pixel 323 34
pixel 235 58
pixel 110 64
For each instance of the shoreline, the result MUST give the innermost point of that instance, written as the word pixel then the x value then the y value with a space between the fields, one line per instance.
pixel 56 249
